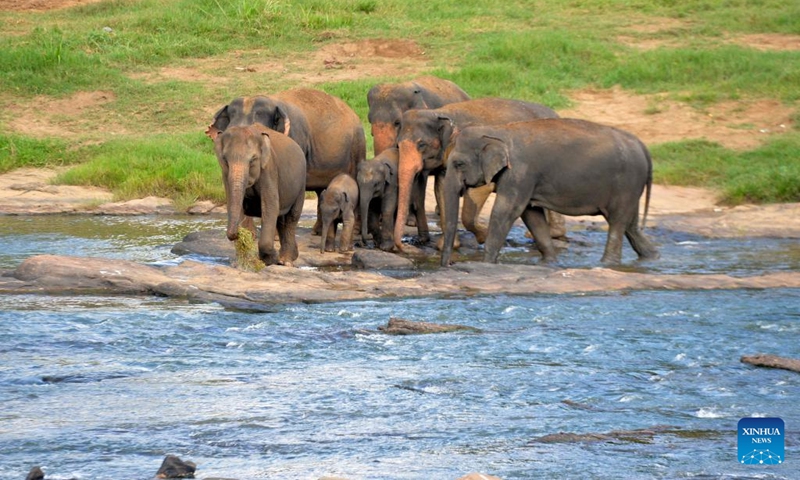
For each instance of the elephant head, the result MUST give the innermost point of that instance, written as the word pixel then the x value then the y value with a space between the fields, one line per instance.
pixel 473 160
pixel 423 138
pixel 387 102
pixel 242 153
pixel 373 178
pixel 244 111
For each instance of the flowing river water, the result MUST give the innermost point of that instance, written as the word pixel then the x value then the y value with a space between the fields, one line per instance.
pixel 105 387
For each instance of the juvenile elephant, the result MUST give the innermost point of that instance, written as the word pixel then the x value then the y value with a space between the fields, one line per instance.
pixel 423 140
pixel 570 166
pixel 264 173
pixel 338 203
pixel 388 101
pixel 377 190
pixel 327 130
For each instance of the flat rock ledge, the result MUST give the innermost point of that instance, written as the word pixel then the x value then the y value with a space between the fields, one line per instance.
pixel 204 282
pixel 400 326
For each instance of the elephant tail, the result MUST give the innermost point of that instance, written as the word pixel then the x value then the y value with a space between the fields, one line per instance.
pixel 649 185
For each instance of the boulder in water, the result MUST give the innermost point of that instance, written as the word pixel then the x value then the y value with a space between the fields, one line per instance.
pixel 174 467
pixel 399 326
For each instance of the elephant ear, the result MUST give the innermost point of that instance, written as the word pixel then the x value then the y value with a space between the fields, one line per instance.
pixel 390 176
pixel 494 157
pixel 446 129
pixel 345 199
pixel 220 123
pixel 266 146
pixel 418 101
pixel 281 121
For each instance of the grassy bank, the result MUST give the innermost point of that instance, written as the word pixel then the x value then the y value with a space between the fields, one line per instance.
pixel 531 50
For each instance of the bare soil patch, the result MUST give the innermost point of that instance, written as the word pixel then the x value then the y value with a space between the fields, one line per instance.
pixel 333 62
pixel 63 117
pixel 41 5
pixel 765 42
pixel 655 119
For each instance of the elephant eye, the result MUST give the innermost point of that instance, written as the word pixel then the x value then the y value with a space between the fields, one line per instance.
pixel 422 144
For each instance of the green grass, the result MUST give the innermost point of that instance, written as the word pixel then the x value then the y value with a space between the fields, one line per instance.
pixel 767 174
pixel 174 166
pixel 533 50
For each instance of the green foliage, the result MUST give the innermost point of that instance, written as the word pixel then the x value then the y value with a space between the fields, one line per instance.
pixel 17 151
pixel 767 174
pixel 174 166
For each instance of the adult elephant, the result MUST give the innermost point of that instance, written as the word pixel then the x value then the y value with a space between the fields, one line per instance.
pixel 327 130
pixel 424 138
pixel 388 101
pixel 264 174
pixel 574 167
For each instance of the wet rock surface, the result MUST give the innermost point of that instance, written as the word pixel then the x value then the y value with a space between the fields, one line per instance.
pixel 399 326
pixel 205 282
pixel 174 467
pixel 772 361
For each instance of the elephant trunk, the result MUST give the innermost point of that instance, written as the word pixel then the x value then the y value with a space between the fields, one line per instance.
pixel 452 190
pixel 384 136
pixel 323 240
pixel 410 166
pixel 365 197
pixel 237 180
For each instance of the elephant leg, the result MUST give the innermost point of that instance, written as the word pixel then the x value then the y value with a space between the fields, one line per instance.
pixel 418 200
pixel 346 240
pixel 612 255
pixel 266 241
pixel 536 221
pixel 474 200
pixel 558 226
pixel 640 243
pixel 374 226
pixel 287 230
pixel 507 208
pixel 316 230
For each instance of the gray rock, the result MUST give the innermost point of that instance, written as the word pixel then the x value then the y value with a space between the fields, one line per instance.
pixel 209 243
pixel 142 206
pixel 36 473
pixel 174 467
pixel 772 361
pixel 378 259
pixel 399 326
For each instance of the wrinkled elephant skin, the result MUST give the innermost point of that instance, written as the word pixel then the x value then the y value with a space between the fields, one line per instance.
pixel 377 187
pixel 573 167
pixel 425 136
pixel 264 175
pixel 338 203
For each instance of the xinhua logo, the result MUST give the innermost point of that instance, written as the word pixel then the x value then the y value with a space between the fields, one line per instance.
pixel 761 441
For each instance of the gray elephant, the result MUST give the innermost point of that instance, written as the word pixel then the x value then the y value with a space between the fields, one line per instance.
pixel 328 131
pixel 424 138
pixel 338 203
pixel 377 190
pixel 570 166
pixel 388 101
pixel 264 173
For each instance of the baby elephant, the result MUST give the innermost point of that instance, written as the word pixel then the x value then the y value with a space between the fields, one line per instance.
pixel 265 176
pixel 377 188
pixel 338 203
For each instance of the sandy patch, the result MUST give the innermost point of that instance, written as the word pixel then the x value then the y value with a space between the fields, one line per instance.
pixel 75 115
pixel 655 119
pixel 40 5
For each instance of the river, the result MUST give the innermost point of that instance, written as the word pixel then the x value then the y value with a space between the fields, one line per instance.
pixel 105 387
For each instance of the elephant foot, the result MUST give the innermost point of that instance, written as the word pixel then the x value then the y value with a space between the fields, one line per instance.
pixel 387 246
pixel 481 234
pixel 411 222
pixel 316 230
pixel 440 243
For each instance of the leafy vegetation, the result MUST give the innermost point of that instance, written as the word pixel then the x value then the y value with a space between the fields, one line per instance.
pixel 532 50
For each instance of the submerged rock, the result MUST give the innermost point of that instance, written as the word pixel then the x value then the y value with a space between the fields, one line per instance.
pixel 772 361
pixel 174 467
pixel 399 326
pixel 36 473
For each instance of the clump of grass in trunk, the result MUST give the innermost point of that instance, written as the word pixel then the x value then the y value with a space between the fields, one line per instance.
pixel 247 252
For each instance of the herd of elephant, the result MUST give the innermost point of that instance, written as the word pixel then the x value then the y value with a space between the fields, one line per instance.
pixel 272 149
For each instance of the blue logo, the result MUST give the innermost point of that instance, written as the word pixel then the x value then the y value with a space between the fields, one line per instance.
pixel 761 441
